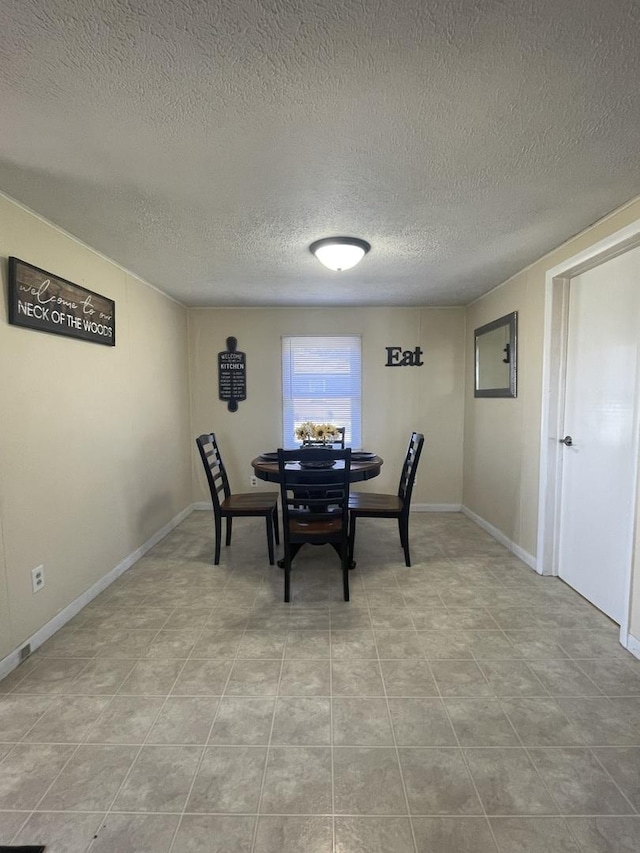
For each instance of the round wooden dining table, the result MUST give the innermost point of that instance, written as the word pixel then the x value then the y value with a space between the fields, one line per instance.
pixel 361 469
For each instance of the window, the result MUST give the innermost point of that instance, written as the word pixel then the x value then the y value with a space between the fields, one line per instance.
pixel 321 383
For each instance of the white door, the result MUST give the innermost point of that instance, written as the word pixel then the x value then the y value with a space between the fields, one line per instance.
pixel 601 415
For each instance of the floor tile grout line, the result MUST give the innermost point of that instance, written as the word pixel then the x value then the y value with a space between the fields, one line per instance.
pixel 73 751
pixel 43 660
pixel 331 742
pixel 142 745
pixel 372 628
pixel 378 630
pixel 592 680
pixel 632 816
pixel 595 755
pixel 515 695
pixel 546 693
pixel 560 711
pixel 204 747
pixel 266 758
pixel 76 747
pixel 52 699
pixel 542 780
pixel 396 749
pixel 320 745
pixel 464 757
pixel 29 812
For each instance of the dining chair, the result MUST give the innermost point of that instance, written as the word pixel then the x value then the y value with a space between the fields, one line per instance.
pixel 373 505
pixel 324 517
pixel 339 442
pixel 226 505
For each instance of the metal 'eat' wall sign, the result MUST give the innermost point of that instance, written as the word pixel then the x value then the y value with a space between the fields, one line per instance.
pixel 45 302
pixel 232 375
pixel 397 357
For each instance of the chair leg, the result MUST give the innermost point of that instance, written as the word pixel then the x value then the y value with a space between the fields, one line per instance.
pixel 217 523
pixel 269 520
pixel 403 523
pixel 276 524
pixel 229 524
pixel 352 536
pixel 346 561
pixel 287 577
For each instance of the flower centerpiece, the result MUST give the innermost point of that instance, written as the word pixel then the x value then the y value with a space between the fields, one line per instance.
pixel 317 434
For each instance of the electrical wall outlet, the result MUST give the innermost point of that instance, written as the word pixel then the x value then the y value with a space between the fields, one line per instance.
pixel 253 481
pixel 37 578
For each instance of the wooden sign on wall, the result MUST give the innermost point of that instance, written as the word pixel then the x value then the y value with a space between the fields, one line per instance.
pixel 232 375
pixel 45 302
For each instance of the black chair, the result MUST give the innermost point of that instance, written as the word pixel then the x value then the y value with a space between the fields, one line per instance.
pixel 324 518
pixel 338 443
pixel 372 505
pixel 226 505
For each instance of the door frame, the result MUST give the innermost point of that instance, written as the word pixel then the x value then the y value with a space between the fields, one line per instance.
pixel 556 318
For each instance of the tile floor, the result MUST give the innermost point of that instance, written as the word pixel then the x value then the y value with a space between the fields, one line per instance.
pixel 464 705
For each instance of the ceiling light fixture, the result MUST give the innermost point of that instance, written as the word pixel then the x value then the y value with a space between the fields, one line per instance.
pixel 339 253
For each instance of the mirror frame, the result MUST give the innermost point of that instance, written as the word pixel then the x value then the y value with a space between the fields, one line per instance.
pixel 510 320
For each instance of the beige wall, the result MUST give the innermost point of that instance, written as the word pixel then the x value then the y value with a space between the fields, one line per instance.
pixel 5 626
pixel 95 452
pixel 502 437
pixel 395 400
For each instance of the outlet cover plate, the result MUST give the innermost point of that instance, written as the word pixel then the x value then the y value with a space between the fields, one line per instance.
pixel 37 578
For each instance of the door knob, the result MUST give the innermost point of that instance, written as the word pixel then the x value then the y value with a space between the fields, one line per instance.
pixel 567 440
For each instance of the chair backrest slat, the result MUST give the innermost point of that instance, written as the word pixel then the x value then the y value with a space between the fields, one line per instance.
pixel 410 466
pixel 213 468
pixel 340 441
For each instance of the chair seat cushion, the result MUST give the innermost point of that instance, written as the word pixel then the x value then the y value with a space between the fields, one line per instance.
pixel 371 502
pixel 246 501
pixel 317 527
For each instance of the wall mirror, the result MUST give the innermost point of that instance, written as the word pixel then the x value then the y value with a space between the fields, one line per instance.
pixel 496 350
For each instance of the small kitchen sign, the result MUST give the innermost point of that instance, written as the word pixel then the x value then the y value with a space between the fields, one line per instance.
pixel 45 302
pixel 232 375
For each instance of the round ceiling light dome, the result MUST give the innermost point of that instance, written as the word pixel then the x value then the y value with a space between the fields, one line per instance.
pixel 339 253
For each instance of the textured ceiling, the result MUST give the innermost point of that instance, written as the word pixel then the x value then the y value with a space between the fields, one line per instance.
pixel 203 144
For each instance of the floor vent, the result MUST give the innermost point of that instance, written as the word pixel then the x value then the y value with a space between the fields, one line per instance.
pixel 25 651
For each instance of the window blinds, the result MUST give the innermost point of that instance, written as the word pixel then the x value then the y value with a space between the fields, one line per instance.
pixel 321 382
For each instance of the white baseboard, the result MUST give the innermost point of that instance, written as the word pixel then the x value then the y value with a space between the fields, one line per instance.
pixel 11 661
pixel 199 505
pixel 523 555
pixel 436 507
pixel 633 645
